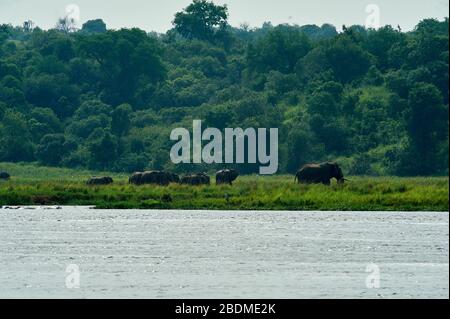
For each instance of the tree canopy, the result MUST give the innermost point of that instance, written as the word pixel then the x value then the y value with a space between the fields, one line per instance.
pixel 374 100
pixel 202 20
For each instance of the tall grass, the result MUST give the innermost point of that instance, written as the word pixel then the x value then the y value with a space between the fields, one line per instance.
pixel 34 185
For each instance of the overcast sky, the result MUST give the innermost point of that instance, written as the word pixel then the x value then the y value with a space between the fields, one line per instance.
pixel 157 15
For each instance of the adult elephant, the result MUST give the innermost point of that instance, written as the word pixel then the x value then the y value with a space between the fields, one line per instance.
pixel 105 180
pixel 173 178
pixel 153 177
pixel 196 179
pixel 320 173
pixel 204 178
pixel 226 176
pixel 135 178
pixel 4 175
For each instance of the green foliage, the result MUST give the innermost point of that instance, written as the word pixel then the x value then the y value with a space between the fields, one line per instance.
pixel 375 100
pixel 279 50
pixel 34 185
pixel 94 26
pixel 426 127
pixel 202 20
pixel 125 57
pixel 120 119
pixel 15 138
pixel 51 149
pixel 347 59
pixel 103 149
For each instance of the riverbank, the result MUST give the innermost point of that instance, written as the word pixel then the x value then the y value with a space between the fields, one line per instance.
pixel 33 185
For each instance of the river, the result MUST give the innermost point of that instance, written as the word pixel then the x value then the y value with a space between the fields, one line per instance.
pixel 77 252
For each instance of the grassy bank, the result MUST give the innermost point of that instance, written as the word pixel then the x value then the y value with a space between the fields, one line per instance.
pixel 34 185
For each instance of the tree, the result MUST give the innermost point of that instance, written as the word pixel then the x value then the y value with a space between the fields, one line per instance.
pixel 43 121
pixel 120 123
pixel 333 135
pixel 427 127
pixel 131 162
pixel 93 107
pixel 5 33
pixel 15 139
pixel 322 103
pixel 94 26
pixel 433 26
pixel 377 100
pixel 202 20
pixel 379 43
pixel 219 116
pixel 279 50
pixel 3 108
pixel 102 147
pixel 300 148
pixel 54 91
pixel 125 58
pixel 347 59
pixel 83 128
pixel 11 92
pixel 51 149
pixel 426 47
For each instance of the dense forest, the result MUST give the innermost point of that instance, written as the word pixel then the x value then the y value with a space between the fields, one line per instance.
pixel 376 101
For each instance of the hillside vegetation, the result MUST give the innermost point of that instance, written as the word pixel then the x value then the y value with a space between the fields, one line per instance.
pixel 374 100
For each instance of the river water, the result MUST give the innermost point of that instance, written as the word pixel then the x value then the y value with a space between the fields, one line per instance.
pixel 77 252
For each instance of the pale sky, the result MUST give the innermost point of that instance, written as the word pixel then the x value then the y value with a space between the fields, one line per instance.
pixel 157 15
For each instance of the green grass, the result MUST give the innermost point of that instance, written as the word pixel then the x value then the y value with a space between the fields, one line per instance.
pixel 34 185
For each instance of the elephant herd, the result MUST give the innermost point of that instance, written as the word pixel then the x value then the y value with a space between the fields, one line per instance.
pixel 226 176
pixel 308 174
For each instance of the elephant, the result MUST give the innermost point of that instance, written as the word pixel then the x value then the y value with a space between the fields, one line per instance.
pixel 196 179
pixel 100 180
pixel 320 173
pixel 173 178
pixel 135 178
pixel 4 175
pixel 226 176
pixel 204 178
pixel 153 177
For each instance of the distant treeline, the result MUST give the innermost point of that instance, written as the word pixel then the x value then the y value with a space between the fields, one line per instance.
pixel 374 100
